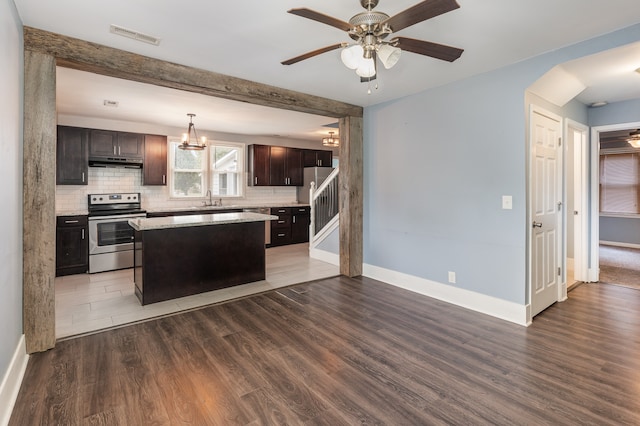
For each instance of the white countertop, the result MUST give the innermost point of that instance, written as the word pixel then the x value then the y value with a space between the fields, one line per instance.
pixel 147 224
pixel 223 207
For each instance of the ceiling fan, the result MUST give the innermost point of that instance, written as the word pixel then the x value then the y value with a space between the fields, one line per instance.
pixel 370 30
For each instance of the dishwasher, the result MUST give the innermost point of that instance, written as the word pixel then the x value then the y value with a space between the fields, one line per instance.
pixel 267 223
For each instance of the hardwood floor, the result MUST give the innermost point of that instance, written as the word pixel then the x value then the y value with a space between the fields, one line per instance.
pixel 344 351
pixel 89 302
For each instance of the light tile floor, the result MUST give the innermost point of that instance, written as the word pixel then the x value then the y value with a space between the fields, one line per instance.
pixel 90 302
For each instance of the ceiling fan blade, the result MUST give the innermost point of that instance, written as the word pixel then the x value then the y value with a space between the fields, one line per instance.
pixel 317 16
pixel 435 50
pixel 420 12
pixel 312 54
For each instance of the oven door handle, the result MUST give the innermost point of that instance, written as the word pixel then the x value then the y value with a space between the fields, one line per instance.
pixel 115 218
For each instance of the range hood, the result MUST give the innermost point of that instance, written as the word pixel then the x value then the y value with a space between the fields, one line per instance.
pixel 129 163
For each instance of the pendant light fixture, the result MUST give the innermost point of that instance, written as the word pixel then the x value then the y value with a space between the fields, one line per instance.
pixel 331 141
pixel 186 138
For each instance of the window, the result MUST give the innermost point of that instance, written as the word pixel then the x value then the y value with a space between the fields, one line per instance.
pixel 227 167
pixel 620 183
pixel 219 168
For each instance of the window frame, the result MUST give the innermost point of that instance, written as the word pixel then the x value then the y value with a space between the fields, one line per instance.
pixel 208 170
pixel 632 187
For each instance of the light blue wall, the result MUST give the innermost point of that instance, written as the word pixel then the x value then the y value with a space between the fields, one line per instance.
pixel 616 113
pixel 620 230
pixel 331 243
pixel 11 83
pixel 436 165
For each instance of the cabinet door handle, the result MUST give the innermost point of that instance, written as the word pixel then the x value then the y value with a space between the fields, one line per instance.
pixel 255 180
pixel 164 179
pixel 114 150
pixel 83 234
pixel 118 150
pixel 71 221
pixel 294 219
pixel 82 176
pixel 280 235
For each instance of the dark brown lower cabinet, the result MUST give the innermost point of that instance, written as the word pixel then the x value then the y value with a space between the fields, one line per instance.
pixel 72 245
pixel 300 220
pixel 177 262
pixel 291 227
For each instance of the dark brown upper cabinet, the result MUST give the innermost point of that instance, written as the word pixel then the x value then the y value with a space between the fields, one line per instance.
pixel 106 143
pixel 317 158
pixel 259 165
pixel 285 166
pixel 72 156
pixel 154 171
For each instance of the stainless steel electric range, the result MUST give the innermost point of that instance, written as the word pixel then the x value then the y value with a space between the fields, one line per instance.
pixel 110 236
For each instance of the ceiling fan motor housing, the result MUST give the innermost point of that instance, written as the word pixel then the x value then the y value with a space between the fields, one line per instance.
pixel 367 23
pixel 369 4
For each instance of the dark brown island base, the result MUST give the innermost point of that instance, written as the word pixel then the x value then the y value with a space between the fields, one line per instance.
pixel 183 255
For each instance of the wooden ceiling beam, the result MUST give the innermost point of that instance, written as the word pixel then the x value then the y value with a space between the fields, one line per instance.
pixel 92 57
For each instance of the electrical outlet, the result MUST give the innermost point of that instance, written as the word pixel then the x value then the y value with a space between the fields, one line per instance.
pixel 452 277
pixel 507 202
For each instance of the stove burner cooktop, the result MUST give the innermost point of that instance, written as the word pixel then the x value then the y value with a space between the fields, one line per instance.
pixel 114 204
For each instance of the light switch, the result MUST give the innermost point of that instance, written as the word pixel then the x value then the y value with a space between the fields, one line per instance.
pixel 507 202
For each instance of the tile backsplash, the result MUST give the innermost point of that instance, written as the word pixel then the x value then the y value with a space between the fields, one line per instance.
pixel 73 198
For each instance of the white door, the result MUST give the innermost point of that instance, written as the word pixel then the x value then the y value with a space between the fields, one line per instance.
pixel 545 210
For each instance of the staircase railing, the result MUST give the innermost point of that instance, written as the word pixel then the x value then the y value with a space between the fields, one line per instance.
pixel 324 204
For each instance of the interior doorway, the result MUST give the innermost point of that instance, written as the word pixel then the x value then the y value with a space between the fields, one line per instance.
pixel 576 190
pixel 615 235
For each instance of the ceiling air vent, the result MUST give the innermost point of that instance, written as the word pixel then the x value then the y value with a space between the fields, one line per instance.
pixel 134 35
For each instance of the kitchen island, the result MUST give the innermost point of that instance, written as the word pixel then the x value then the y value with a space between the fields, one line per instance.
pixel 179 256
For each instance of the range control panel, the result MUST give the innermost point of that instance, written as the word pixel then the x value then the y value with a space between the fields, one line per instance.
pixel 125 198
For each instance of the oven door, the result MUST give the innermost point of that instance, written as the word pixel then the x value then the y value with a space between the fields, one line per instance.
pixel 108 234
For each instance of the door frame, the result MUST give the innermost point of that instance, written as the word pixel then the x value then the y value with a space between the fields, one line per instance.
pixel 535 109
pixel 594 264
pixel 580 185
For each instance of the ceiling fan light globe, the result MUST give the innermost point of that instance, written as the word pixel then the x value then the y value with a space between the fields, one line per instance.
pixel 389 55
pixel 366 68
pixel 352 56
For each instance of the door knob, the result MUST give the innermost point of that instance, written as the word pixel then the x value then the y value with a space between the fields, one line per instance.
pixel 537 224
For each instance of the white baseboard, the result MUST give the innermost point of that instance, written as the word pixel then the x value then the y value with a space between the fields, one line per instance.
pixel 325 256
pixel 617 244
pixel 12 381
pixel 489 305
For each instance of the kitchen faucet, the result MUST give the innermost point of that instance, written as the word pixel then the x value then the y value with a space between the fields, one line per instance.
pixel 209 203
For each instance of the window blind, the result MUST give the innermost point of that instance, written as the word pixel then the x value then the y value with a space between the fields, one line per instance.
pixel 619 183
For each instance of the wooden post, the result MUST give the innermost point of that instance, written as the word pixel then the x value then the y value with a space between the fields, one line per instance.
pixel 39 189
pixel 351 203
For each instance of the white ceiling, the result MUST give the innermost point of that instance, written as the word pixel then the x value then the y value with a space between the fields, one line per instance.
pixel 249 39
pixel 83 94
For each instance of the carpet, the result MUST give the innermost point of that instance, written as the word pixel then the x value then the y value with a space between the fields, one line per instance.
pixel 620 266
